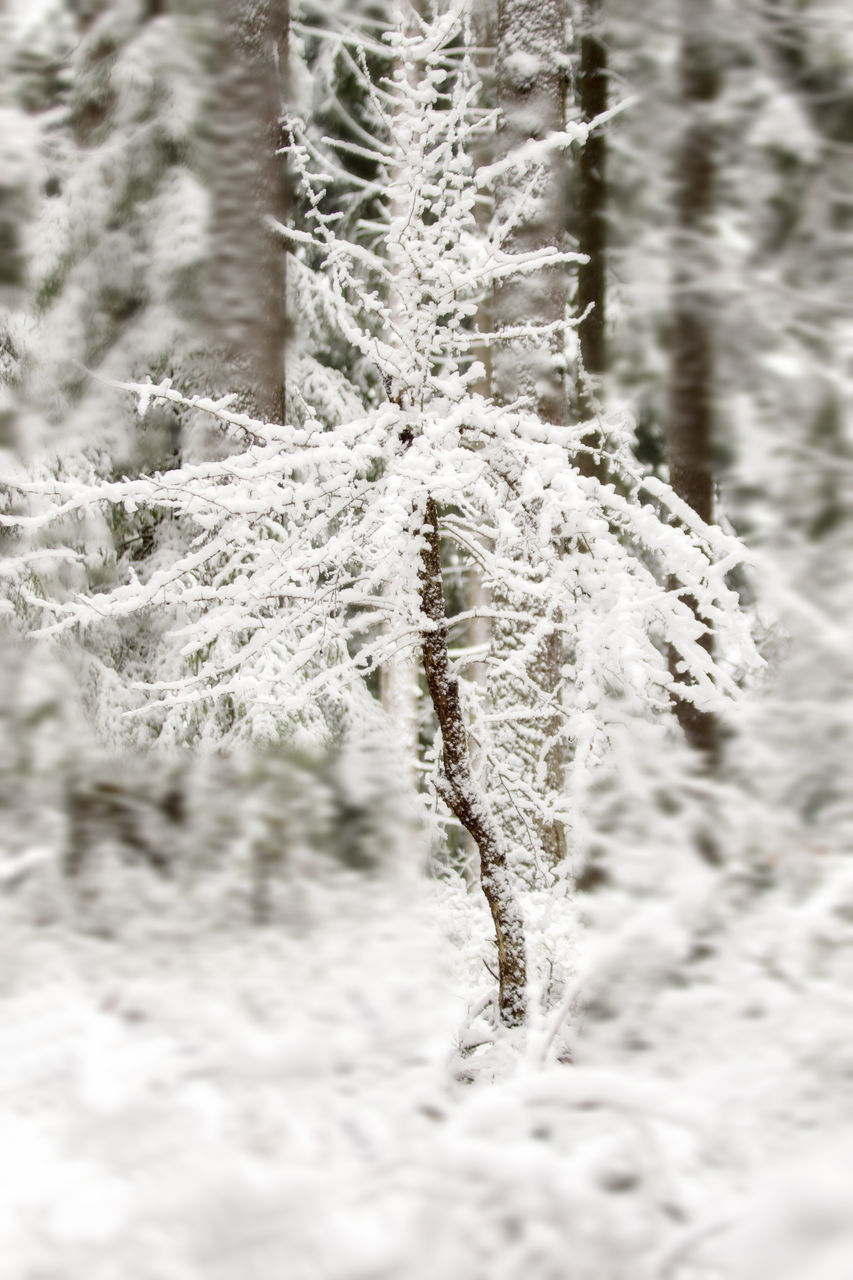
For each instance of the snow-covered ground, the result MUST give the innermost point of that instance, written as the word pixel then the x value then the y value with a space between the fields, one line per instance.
pixel 309 1101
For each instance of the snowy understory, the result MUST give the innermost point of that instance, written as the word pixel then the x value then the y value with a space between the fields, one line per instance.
pixel 320 1099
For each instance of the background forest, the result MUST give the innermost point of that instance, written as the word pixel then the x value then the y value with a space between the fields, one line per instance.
pixel 426 478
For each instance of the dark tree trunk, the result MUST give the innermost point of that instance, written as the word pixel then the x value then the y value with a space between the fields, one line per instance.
pixel 247 181
pixel 692 406
pixel 459 789
pixel 591 212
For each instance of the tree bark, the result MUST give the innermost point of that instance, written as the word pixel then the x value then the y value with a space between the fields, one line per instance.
pixel 692 406
pixel 591 219
pixel 459 789
pixel 247 180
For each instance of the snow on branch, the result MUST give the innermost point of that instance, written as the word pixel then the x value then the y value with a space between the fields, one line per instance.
pixel 299 569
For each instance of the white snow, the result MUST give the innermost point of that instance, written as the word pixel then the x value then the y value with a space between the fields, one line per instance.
pixel 193 1101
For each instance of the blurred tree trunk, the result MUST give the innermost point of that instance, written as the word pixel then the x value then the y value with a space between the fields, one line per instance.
pixel 531 67
pixel 531 92
pixel 591 205
pixel 247 308
pixel 692 398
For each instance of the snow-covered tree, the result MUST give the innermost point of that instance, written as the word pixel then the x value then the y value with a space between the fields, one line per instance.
pixel 281 588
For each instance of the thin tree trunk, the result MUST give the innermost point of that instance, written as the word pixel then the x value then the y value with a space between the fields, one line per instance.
pixel 17 189
pixel 691 411
pixel 459 789
pixel 591 218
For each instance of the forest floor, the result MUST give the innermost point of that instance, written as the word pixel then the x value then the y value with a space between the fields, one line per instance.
pixel 310 1100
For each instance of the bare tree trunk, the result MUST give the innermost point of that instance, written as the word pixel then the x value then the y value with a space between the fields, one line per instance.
pixel 591 216
pixel 691 412
pixel 247 180
pixel 459 789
